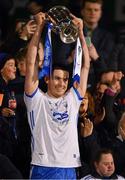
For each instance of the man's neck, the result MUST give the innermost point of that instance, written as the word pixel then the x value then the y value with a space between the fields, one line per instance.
pixel 91 26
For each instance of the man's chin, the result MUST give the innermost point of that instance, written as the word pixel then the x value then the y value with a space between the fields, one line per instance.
pixel 59 94
pixel 109 174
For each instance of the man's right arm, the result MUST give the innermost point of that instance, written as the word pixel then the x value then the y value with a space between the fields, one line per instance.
pixel 31 79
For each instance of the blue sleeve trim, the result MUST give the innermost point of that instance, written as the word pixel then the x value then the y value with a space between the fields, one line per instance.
pixel 77 92
pixel 31 94
pixel 76 78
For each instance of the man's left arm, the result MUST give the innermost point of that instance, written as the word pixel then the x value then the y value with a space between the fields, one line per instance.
pixel 85 59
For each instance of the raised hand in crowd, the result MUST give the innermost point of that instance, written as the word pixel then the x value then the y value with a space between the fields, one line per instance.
pixel 7 112
pixel 28 30
pixel 86 127
pixel 93 52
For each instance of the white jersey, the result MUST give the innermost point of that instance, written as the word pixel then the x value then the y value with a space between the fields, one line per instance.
pixel 53 123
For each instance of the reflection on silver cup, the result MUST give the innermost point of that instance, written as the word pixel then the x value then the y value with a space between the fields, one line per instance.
pixel 59 17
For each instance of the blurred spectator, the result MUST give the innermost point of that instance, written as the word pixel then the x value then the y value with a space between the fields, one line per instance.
pixel 19 36
pixel 92 141
pixel 102 40
pixel 14 128
pixel 24 135
pixel 118 59
pixel 107 91
pixel 21 62
pixel 103 166
pixel 104 126
pixel 8 131
pixel 117 145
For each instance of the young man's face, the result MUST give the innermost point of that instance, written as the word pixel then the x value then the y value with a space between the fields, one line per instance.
pixel 105 167
pixel 92 13
pixel 58 82
pixel 9 70
pixel 22 67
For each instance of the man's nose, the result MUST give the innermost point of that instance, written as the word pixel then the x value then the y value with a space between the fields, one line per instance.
pixel 92 11
pixel 109 166
pixel 61 81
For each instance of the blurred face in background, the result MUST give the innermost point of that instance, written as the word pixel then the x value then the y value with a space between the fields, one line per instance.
pixel 9 70
pixel 91 13
pixel 108 77
pixel 19 26
pixel 22 67
pixel 112 79
pixel 105 166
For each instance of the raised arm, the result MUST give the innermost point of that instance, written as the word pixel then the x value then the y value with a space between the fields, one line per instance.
pixel 31 79
pixel 85 58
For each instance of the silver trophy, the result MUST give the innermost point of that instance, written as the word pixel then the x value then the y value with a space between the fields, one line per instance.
pixel 59 17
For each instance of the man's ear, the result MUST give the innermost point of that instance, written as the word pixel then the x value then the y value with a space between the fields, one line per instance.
pixel 46 79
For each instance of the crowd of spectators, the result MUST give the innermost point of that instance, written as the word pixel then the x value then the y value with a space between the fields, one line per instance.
pixel 101 121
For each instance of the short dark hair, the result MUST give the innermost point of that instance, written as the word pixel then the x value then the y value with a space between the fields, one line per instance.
pixel 61 66
pixel 4 57
pixel 21 54
pixel 100 152
pixel 91 1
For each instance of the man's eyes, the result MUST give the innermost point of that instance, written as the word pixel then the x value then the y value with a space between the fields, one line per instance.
pixel 58 78
pixel 11 64
pixel 66 79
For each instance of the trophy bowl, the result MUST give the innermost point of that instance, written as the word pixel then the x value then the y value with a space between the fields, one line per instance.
pixel 59 17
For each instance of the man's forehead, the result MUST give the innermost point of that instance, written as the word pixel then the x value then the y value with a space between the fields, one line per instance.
pixel 93 4
pixel 104 157
pixel 60 73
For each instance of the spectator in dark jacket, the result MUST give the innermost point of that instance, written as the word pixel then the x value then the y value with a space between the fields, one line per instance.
pixel 7 169
pixel 101 39
pixel 103 166
pixel 8 131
